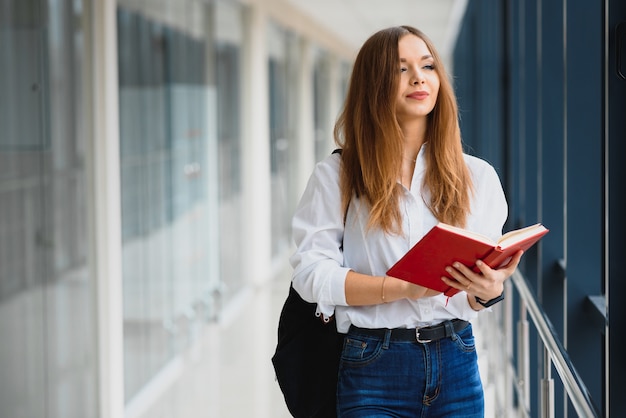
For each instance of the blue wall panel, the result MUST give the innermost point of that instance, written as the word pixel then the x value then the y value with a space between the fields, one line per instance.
pixel 584 181
pixel 539 103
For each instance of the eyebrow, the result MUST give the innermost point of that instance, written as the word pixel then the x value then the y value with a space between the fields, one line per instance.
pixel 424 57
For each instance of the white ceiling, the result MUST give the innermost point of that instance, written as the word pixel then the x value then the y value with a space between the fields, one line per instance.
pixel 355 20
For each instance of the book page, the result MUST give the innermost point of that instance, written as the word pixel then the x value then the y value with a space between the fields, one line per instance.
pixel 518 235
pixel 464 232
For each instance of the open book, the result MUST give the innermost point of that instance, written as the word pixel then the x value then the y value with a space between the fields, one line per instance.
pixel 424 264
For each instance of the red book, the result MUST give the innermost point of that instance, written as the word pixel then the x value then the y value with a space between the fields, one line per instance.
pixel 424 264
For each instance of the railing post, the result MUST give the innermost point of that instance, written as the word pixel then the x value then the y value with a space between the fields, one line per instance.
pixel 523 360
pixel 547 387
pixel 509 373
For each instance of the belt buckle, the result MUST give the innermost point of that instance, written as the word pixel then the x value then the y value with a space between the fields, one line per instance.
pixel 417 337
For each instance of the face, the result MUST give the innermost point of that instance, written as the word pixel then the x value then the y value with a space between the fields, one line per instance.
pixel 419 82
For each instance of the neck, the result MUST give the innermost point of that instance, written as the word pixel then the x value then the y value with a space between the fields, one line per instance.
pixel 414 137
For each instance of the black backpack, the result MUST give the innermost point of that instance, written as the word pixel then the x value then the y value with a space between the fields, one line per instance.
pixel 306 360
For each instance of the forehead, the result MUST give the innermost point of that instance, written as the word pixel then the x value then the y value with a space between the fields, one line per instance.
pixel 412 47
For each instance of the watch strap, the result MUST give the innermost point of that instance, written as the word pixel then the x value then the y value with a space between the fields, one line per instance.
pixel 490 302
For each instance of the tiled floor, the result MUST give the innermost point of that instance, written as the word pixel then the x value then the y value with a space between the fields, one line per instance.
pixel 228 374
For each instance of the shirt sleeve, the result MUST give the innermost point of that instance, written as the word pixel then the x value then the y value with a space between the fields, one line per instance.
pixel 318 226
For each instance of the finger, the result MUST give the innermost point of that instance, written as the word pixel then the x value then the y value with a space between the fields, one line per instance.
pixel 454 283
pixel 463 269
pixel 509 267
pixel 458 280
pixel 456 273
pixel 483 267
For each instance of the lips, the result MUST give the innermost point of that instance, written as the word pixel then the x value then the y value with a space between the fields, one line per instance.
pixel 419 95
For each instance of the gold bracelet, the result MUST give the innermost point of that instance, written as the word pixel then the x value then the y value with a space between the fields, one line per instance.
pixel 382 290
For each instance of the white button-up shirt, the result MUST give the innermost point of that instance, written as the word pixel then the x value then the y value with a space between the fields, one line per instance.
pixel 327 249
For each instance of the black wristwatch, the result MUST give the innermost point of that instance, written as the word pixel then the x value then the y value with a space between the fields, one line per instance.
pixel 490 302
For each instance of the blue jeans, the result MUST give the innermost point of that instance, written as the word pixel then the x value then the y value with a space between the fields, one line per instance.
pixel 379 377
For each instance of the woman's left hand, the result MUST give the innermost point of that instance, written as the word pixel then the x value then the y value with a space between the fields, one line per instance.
pixel 487 284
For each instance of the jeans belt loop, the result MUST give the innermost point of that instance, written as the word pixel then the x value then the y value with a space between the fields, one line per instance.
pixel 386 339
pixel 449 328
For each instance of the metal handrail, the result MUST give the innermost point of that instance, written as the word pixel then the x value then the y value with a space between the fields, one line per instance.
pixel 573 384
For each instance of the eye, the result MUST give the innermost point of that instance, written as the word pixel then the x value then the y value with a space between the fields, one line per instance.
pixel 403 69
pixel 429 67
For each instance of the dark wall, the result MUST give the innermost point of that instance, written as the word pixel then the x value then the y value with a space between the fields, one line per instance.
pixel 542 97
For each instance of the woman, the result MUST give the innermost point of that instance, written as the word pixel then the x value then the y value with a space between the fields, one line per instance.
pixel 402 170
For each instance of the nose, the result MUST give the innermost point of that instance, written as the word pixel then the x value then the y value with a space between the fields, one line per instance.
pixel 417 78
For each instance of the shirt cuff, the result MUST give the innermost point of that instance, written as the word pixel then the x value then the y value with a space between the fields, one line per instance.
pixel 334 294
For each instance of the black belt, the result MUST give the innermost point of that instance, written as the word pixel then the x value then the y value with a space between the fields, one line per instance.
pixel 422 335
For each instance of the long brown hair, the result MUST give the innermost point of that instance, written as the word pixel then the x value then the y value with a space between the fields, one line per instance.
pixel 372 141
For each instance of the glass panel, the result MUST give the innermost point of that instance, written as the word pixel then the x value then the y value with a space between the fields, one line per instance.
pixel 167 151
pixel 321 103
pixel 345 70
pixel 146 210
pixel 48 364
pixel 229 34
pixel 283 66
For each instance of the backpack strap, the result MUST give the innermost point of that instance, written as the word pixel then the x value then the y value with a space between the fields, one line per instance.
pixel 345 215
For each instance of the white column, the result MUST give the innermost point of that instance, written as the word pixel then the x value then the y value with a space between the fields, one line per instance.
pixel 256 242
pixel 105 214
